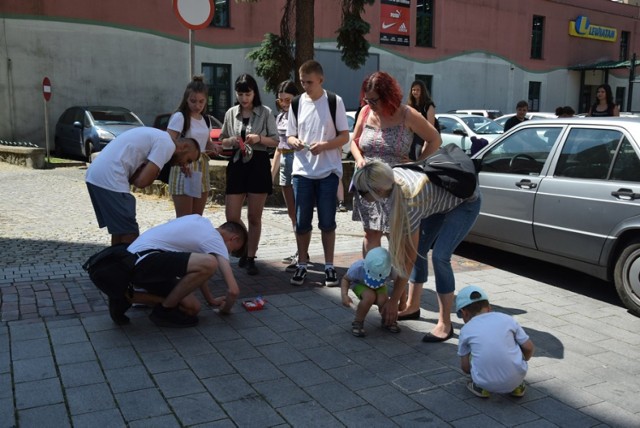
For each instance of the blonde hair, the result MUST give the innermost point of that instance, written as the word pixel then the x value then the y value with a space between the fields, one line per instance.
pixel 377 178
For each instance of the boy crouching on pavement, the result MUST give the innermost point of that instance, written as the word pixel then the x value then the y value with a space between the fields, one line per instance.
pixel 493 347
pixel 368 279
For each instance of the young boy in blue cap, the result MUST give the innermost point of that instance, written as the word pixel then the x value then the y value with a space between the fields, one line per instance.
pixel 368 278
pixel 493 347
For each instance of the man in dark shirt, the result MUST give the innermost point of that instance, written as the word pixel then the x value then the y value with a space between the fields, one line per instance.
pixel 522 108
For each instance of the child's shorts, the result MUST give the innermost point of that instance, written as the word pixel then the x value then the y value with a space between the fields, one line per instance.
pixel 358 289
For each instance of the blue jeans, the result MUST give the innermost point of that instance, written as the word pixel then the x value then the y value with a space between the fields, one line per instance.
pixel 447 231
pixel 319 192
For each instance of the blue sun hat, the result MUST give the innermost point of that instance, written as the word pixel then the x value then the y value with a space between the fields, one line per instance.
pixel 468 295
pixel 377 267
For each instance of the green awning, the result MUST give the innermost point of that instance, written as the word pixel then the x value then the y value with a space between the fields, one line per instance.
pixel 604 65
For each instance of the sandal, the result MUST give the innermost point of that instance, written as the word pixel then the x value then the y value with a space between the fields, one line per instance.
pixel 357 328
pixel 391 328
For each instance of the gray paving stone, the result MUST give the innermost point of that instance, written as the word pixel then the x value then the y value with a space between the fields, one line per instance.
pixel 559 413
pixel 151 342
pixel 65 335
pixel 302 340
pixel 30 349
pixel 27 330
pixel 34 369
pixel 281 392
pixel 390 401
pixel 420 419
pixel 612 415
pixel 110 418
pixel 326 357
pixel 7 412
pixel 79 374
pixel 5 361
pixel 309 414
pixel 196 409
pixel 355 377
pixel 74 353
pixel 142 404
pixel 229 388
pixel 281 353
pixel 257 370
pixel 166 421
pixel 53 416
pixel 192 346
pixel 131 378
pixel 366 415
pixel 209 365
pixel 258 336
pixel 254 411
pixel 109 339
pixel 38 393
pixel 236 350
pixel 305 373
pixel 444 405
pixel 115 358
pixel 163 361
pixel 89 398
pixel 178 383
pixel 334 396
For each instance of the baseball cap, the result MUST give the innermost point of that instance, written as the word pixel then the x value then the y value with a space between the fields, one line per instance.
pixel 468 295
pixel 377 267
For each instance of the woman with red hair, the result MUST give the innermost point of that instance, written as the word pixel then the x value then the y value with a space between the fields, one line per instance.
pixel 384 130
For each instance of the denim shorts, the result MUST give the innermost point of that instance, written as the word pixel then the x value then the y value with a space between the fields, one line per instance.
pixel 286 168
pixel 320 192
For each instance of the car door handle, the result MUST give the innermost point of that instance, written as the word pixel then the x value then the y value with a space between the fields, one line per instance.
pixel 526 184
pixel 625 194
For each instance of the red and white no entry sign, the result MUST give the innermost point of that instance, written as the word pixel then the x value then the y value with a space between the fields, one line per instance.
pixel 194 14
pixel 46 88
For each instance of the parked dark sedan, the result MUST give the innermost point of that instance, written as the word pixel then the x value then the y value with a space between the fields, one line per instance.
pixel 82 130
pixel 566 191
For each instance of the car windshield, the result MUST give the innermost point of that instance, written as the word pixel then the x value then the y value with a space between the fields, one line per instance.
pixel 482 125
pixel 114 116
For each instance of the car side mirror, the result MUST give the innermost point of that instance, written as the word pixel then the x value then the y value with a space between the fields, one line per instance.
pixel 77 124
pixel 460 132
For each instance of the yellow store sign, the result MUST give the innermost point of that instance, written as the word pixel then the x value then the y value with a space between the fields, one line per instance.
pixel 582 27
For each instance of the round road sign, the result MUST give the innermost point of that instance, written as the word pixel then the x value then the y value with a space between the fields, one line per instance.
pixel 194 14
pixel 46 88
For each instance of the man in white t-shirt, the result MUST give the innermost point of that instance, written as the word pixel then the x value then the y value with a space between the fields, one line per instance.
pixel 135 157
pixel 176 258
pixel 317 167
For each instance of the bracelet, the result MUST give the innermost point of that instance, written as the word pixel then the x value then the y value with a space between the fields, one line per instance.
pixel 259 139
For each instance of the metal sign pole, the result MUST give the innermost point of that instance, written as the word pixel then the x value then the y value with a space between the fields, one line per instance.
pixel 192 53
pixel 46 129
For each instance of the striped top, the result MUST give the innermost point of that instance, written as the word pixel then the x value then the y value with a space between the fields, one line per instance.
pixel 423 197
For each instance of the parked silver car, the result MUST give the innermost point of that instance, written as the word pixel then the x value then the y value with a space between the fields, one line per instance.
pixel 82 130
pixel 567 191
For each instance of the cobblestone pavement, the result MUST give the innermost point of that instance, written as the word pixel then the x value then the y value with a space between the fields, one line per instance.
pixel 295 363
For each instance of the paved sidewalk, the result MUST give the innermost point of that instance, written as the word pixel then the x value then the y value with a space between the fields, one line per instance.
pixel 295 363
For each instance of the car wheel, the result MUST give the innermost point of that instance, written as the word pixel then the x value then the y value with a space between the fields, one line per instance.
pixel 627 276
pixel 88 149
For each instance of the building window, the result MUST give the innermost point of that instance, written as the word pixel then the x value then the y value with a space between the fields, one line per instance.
pixel 537 31
pixel 218 79
pixel 221 14
pixel 427 79
pixel 424 23
pixel 534 96
pixel 624 45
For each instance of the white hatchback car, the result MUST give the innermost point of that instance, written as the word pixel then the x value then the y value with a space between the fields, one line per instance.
pixel 346 149
pixel 459 129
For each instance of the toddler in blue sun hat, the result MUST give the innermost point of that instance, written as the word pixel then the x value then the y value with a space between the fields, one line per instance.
pixel 493 347
pixel 368 279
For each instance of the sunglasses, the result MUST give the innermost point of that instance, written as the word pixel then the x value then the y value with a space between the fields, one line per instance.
pixel 371 101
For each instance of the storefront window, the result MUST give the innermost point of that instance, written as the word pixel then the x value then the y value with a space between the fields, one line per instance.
pixel 221 14
pixel 218 79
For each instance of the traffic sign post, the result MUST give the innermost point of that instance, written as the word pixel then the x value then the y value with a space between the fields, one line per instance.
pixel 195 15
pixel 46 92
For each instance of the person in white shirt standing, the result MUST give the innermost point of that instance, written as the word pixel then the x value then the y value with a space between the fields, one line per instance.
pixel 135 157
pixel 317 167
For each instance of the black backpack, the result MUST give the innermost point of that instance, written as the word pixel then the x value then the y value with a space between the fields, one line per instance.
pixel 449 167
pixel 332 107
pixel 111 270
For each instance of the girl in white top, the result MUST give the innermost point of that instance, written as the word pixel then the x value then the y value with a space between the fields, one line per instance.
pixel 188 121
